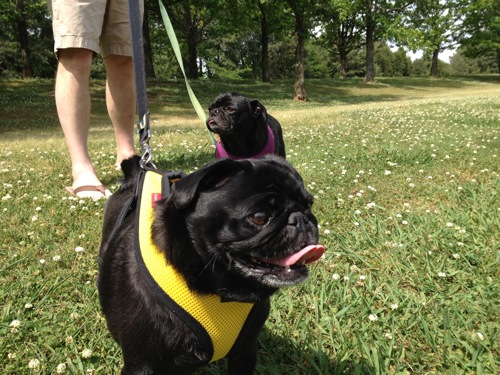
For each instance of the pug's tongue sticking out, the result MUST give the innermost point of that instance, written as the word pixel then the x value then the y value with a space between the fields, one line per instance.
pixel 307 255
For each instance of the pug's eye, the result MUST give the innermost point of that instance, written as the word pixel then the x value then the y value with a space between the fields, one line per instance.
pixel 230 109
pixel 260 218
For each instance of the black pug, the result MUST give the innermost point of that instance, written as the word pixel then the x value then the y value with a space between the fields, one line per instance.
pixel 244 127
pixel 235 231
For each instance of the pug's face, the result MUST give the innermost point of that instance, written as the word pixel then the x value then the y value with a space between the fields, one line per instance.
pixel 234 113
pixel 252 219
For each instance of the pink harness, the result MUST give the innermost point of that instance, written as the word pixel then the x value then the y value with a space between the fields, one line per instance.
pixel 269 148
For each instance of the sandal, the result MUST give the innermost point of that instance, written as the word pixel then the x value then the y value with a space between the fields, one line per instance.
pixel 89 191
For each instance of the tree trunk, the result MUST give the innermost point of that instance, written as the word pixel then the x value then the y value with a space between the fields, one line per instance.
pixel 192 57
pixel 342 47
pixel 343 62
pixel 22 29
pixel 370 49
pixel 192 44
pixel 300 87
pixel 148 50
pixel 264 29
pixel 434 64
pixel 498 60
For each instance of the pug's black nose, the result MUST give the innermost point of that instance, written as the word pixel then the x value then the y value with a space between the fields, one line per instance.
pixel 298 219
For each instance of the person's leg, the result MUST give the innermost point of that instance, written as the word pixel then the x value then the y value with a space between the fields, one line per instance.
pixel 73 108
pixel 120 101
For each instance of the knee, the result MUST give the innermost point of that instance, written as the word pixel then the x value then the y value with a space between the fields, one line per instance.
pixel 121 63
pixel 78 61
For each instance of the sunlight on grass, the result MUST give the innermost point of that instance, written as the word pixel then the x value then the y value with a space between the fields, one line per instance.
pixel 405 178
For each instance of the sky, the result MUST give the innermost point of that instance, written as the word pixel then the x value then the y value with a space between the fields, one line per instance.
pixel 445 55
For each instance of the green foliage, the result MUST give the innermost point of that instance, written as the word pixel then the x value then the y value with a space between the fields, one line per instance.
pixel 222 38
pixel 480 29
pixel 405 178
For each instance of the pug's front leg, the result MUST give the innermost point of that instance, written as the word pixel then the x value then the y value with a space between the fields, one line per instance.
pixel 243 362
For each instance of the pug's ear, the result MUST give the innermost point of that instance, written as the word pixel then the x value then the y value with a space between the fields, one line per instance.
pixel 258 110
pixel 210 176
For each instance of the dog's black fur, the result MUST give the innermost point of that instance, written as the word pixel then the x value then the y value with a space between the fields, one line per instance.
pixel 241 124
pixel 213 227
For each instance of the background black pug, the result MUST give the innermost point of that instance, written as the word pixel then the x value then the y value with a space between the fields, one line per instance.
pixel 236 231
pixel 244 127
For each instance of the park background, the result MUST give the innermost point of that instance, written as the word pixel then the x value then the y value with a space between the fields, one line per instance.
pixel 268 40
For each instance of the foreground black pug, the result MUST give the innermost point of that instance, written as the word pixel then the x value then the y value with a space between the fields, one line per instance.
pixel 236 231
pixel 244 127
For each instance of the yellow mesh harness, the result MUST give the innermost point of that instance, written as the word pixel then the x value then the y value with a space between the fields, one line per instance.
pixel 222 321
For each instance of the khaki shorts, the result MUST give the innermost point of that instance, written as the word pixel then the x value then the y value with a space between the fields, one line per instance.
pixel 98 25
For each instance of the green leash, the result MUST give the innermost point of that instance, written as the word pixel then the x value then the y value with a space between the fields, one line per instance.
pixel 175 45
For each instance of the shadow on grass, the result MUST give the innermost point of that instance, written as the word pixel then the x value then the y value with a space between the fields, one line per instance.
pixel 30 104
pixel 280 355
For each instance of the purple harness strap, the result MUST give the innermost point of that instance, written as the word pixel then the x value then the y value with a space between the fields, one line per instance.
pixel 269 148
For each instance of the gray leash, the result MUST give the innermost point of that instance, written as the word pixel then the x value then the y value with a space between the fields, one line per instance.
pixel 143 126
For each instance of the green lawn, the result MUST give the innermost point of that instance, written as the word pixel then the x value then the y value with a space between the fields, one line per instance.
pixel 405 175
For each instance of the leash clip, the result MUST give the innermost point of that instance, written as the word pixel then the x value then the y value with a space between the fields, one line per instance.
pixel 144 138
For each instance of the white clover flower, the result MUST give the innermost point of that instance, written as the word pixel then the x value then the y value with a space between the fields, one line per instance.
pixel 86 353
pixel 388 335
pixel 327 231
pixel 34 364
pixel 394 306
pixel 79 249
pixel 442 274
pixel 28 305
pixel 387 173
pixel 456 256
pixel 373 317
pixel 335 276
pixel 42 261
pixel 56 258
pixel 15 324
pixel 61 368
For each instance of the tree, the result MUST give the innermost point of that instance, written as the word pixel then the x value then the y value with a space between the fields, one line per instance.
pixel 341 30
pixel 480 29
pixel 264 40
pixel 300 12
pixel 429 26
pixel 26 41
pixel 402 63
pixel 462 65
pixel 22 29
pixel 150 6
pixel 190 19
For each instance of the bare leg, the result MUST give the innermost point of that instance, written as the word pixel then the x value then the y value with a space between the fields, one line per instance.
pixel 120 101
pixel 73 108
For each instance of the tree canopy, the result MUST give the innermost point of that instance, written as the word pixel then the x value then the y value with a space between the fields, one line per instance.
pixel 298 39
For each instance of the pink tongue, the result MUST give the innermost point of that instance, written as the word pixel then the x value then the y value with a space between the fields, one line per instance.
pixel 307 255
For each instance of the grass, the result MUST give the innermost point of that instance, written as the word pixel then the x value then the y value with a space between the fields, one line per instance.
pixel 405 173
